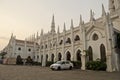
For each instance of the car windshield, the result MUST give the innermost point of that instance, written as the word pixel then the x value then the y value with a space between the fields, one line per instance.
pixel 59 62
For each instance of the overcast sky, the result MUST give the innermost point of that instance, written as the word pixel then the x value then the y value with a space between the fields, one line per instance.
pixel 25 17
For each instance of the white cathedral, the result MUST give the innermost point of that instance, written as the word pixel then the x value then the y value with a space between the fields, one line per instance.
pixel 98 39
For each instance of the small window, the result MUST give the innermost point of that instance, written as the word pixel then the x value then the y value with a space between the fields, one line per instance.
pixel 61 41
pixel 34 57
pixel 95 37
pixel 77 38
pixel 29 50
pixel 37 57
pixel 46 46
pixel 19 48
pixel 68 40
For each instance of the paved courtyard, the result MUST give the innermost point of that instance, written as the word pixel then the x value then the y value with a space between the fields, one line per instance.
pixel 14 72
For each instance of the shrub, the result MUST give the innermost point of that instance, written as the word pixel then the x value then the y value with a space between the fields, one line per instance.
pixel 19 60
pixel 76 64
pixel 96 65
pixel 48 63
pixel 29 61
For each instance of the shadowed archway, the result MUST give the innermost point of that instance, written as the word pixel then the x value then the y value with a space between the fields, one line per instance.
pixel 52 57
pixel 90 54
pixel 103 53
pixel 68 56
pixel 59 56
pixel 78 55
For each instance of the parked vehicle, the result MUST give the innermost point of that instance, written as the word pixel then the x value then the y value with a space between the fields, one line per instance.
pixel 61 65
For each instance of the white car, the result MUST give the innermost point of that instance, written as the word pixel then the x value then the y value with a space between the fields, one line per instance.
pixel 61 65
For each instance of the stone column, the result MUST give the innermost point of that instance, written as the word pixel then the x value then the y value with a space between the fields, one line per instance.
pixel 83 61
pixel 109 63
pixel 55 55
pixel 44 58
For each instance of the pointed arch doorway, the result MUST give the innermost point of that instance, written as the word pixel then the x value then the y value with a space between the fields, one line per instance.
pixel 59 56
pixel 68 56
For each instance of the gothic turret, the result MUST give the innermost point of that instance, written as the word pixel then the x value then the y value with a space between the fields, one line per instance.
pixel 81 21
pixel 64 27
pixel 103 10
pixel 53 25
pixel 71 23
pixel 91 16
pixel 58 29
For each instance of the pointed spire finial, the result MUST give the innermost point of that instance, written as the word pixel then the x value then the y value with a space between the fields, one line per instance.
pixel 53 25
pixel 58 29
pixel 64 27
pixel 81 22
pixel 91 15
pixel 53 19
pixel 103 10
pixel 71 23
pixel 11 35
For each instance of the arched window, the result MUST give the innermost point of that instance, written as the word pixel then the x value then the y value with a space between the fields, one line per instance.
pixel 19 48
pixel 52 57
pixel 54 44
pixel 68 40
pixel 61 41
pixel 90 54
pixel 37 56
pixel 77 38
pixel 68 56
pixel 59 56
pixel 41 58
pixel 29 49
pixel 95 37
pixel 78 55
pixel 46 46
pixel 46 57
pixel 103 53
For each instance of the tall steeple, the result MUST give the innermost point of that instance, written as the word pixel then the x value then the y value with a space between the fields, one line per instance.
pixel 81 21
pixel 71 23
pixel 53 25
pixel 103 10
pixel 58 29
pixel 91 15
pixel 64 27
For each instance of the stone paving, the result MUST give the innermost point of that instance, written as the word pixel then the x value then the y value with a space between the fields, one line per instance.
pixel 14 72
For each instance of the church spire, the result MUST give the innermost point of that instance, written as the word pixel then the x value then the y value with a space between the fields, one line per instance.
pixel 103 10
pixel 64 27
pixel 53 25
pixel 91 15
pixel 81 21
pixel 11 35
pixel 58 29
pixel 71 23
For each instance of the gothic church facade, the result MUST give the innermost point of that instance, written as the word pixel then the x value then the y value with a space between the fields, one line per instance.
pixel 98 39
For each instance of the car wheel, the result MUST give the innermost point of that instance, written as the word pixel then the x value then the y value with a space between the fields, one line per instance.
pixel 59 68
pixel 70 67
